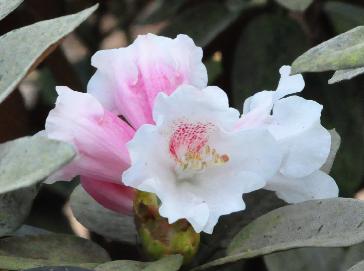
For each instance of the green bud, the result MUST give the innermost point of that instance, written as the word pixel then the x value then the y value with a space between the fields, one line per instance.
pixel 158 238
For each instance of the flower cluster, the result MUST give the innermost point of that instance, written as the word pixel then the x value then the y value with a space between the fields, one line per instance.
pixel 150 122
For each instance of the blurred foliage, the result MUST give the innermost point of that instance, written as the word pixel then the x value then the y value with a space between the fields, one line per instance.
pixel 244 41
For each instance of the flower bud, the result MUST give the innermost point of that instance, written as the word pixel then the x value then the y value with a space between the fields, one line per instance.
pixel 157 236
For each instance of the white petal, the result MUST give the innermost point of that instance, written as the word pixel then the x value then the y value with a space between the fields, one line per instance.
pixel 288 84
pixel 305 152
pixel 318 185
pixel 293 115
pixel 187 102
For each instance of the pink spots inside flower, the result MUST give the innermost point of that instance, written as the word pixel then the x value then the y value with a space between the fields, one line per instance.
pixel 190 149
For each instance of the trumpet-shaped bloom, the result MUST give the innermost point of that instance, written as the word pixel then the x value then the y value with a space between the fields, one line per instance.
pixel 125 83
pixel 99 138
pixel 194 160
pixel 128 79
pixel 295 124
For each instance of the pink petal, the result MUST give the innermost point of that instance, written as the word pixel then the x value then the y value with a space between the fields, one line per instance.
pixel 98 136
pixel 113 196
pixel 127 80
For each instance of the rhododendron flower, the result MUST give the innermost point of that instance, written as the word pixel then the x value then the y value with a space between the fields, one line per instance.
pixel 128 79
pixel 194 160
pixel 295 124
pixel 125 83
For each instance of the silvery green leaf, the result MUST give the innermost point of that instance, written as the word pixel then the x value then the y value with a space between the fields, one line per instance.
pixel 168 263
pixel 14 208
pixel 7 7
pixel 101 220
pixel 334 222
pixel 345 51
pixel 51 250
pixel 305 259
pixel 28 160
pixel 358 267
pixel 296 5
pixel 335 145
pixel 345 75
pixel 24 48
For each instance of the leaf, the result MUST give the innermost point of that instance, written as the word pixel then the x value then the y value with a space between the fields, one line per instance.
pixel 160 10
pixel 205 21
pixel 344 16
pixel 7 7
pixel 344 51
pixel 259 202
pixel 168 263
pixel 101 220
pixel 14 208
pixel 296 5
pixel 319 223
pixel 358 267
pixel 258 57
pixel 58 268
pixel 345 75
pixel 56 249
pixel 24 48
pixel 335 145
pixel 28 160
pixel 19 263
pixel 305 259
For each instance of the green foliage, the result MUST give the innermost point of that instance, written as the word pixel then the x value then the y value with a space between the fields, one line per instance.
pixel 169 263
pixel 51 250
pixel 32 43
pixel 358 267
pixel 296 5
pixel 27 161
pixel 206 20
pixel 101 220
pixel 320 223
pixel 7 7
pixel 339 53
pixel 14 208
pixel 258 57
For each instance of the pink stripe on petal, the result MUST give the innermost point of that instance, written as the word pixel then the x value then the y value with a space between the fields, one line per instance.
pixel 99 136
pixel 113 196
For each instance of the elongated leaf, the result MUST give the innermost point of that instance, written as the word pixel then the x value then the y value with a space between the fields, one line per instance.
pixel 305 259
pixel 206 20
pixel 7 7
pixel 19 263
pixel 342 52
pixel 320 223
pixel 297 5
pixel 345 75
pixel 358 267
pixel 101 220
pixel 344 16
pixel 28 160
pixel 56 248
pixel 160 10
pixel 335 145
pixel 260 202
pixel 14 208
pixel 25 47
pixel 169 263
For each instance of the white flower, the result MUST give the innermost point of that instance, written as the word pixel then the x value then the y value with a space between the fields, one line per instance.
pixel 295 124
pixel 194 160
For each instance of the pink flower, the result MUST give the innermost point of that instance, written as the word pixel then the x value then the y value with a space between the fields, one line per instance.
pixel 127 80
pixel 126 83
